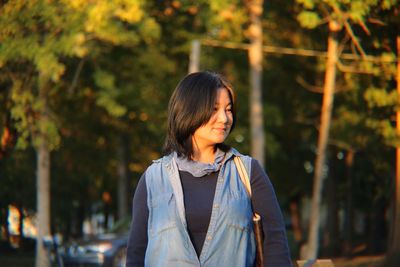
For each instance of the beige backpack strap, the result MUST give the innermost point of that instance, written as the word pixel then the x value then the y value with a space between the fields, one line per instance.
pixel 243 174
pixel 246 181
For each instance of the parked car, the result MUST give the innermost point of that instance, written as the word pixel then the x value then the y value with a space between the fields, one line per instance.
pixel 104 250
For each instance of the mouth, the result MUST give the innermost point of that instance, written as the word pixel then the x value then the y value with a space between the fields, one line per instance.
pixel 221 129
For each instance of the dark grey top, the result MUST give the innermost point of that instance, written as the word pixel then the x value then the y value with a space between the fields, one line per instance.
pixel 198 199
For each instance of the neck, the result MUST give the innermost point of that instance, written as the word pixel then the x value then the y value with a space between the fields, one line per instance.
pixel 205 155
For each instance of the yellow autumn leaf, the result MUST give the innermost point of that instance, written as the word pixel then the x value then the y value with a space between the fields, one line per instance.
pixel 131 14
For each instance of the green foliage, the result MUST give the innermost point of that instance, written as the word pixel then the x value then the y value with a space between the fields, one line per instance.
pixel 343 11
pixel 42 45
pixel 52 135
pixel 358 10
pixel 44 34
pixel 150 31
pixel 388 4
pixel 32 31
pixel 386 129
pixel 23 120
pixel 227 19
pixel 309 19
pixel 106 97
pixel 308 4
pixel 376 97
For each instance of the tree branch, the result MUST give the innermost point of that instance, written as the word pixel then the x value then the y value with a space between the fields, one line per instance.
pixel 365 28
pixel 309 87
pixel 342 45
pixel 354 39
pixel 351 69
pixel 376 21
pixel 71 89
pixel 342 145
pixel 292 51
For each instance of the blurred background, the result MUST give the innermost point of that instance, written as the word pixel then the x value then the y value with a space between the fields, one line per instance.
pixel 84 89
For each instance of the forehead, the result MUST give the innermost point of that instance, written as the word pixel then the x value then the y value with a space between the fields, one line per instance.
pixel 223 96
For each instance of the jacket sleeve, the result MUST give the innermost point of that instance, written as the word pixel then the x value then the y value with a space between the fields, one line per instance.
pixel 137 240
pixel 264 201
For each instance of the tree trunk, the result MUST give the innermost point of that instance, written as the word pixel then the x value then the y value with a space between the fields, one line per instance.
pixel 349 214
pixel 255 54
pixel 43 181
pixel 295 216
pixel 194 60
pixel 332 222
pixel 311 251
pixel 43 202
pixel 122 179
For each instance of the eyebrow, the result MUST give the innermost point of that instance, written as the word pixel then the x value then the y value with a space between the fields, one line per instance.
pixel 229 104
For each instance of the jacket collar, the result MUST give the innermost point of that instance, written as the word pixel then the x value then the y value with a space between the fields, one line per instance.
pixel 168 159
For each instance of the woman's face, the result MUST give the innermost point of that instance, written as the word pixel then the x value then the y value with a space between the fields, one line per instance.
pixel 218 127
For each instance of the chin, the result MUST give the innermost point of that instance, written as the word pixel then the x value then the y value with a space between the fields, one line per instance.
pixel 219 140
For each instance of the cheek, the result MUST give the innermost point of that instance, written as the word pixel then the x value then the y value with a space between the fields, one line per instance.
pixel 230 118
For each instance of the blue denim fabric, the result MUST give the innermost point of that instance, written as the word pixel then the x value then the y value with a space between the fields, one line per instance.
pixel 230 237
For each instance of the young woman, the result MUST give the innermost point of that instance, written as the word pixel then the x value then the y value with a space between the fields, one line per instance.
pixel 190 207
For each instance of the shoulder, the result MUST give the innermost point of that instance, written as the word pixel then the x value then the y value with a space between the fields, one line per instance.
pixel 254 163
pixel 256 168
pixel 245 159
pixel 235 152
pixel 158 171
pixel 158 163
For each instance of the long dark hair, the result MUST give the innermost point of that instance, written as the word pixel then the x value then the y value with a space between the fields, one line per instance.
pixel 191 106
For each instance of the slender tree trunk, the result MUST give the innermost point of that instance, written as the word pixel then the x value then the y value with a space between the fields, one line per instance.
pixel 43 183
pixel 311 251
pixel 349 216
pixel 295 216
pixel 194 60
pixel 394 246
pixel 43 202
pixel 331 230
pixel 255 53
pixel 122 179
pixel 296 219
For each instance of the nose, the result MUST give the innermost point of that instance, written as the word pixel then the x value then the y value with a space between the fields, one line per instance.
pixel 223 117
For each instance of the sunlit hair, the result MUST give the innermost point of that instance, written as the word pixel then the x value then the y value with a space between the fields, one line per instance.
pixel 191 106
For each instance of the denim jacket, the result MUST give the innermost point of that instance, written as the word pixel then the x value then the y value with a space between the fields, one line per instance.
pixel 230 238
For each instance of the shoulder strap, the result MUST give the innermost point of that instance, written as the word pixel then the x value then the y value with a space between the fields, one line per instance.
pixel 243 174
